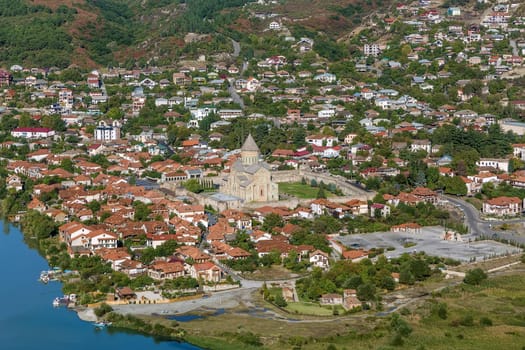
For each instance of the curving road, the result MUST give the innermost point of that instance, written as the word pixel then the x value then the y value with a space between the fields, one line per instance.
pixel 480 227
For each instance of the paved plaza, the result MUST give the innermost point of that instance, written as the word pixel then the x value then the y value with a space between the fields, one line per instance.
pixel 430 240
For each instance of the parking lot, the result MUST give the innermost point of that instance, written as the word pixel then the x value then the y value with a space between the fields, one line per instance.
pixel 430 240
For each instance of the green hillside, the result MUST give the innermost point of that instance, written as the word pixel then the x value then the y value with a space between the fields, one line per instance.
pixel 91 33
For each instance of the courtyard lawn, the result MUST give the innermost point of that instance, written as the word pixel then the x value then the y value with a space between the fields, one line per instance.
pixel 301 190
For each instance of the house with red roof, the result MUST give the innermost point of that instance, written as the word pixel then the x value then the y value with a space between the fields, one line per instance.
pixel 503 206
pixel 409 227
pixel 102 239
pixel 207 271
pixel 355 255
pixel 425 194
pixel 37 205
pixel 161 270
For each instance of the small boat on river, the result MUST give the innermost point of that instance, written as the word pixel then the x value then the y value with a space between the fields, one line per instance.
pixel 65 300
pixel 102 324
pixel 44 278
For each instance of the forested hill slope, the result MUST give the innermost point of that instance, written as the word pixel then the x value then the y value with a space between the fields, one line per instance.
pixel 101 32
pixel 92 33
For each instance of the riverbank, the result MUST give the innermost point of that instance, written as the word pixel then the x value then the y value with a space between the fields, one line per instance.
pixel 246 321
pixel 471 320
pixel 49 327
pixel 87 314
pixel 220 300
pixel 240 319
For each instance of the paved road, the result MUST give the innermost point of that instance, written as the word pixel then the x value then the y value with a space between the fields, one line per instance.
pixel 514 48
pixel 234 95
pixel 231 89
pixel 479 227
pixel 236 48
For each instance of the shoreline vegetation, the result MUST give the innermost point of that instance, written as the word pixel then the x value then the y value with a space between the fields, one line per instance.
pixel 53 252
pixel 452 307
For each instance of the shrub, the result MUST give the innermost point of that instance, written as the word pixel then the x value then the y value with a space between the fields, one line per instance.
pixel 440 310
pixel 103 309
pixel 475 276
pixel 454 323
pixel 404 311
pixel 400 325
pixel 467 321
pixel 279 301
pixel 249 338
pixel 335 312
pixel 485 321
pixel 397 340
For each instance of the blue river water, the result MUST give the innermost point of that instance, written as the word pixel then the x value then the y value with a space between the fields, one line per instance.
pixel 28 320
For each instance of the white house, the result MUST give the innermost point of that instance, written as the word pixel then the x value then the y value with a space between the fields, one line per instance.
pixel 350 138
pixel 65 98
pixel 33 133
pixel 274 25
pixel 519 150
pixel 319 259
pixel 498 164
pixel 421 145
pixel 321 140
pixel 252 84
pixel 326 78
pixel 326 113
pixel 203 112
pixel 102 239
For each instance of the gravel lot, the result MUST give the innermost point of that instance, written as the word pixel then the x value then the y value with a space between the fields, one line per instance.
pixel 220 300
pixel 430 241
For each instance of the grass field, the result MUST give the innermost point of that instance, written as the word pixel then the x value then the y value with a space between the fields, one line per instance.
pixel 299 190
pixel 490 316
pixel 311 309
pixel 274 272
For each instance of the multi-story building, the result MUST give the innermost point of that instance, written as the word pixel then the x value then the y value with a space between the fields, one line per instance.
pixel 107 131
pixel 503 206
pixel 371 50
pixel 65 99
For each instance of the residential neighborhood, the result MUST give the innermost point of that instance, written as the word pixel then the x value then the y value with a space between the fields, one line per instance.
pixel 333 181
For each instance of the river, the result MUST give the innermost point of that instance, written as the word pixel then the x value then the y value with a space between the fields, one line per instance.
pixel 28 320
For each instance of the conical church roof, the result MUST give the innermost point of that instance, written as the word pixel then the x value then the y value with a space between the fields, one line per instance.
pixel 250 145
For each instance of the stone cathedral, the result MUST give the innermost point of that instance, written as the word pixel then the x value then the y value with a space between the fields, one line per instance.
pixel 250 178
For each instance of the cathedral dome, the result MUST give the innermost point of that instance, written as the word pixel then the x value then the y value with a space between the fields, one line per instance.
pixel 250 145
pixel 250 152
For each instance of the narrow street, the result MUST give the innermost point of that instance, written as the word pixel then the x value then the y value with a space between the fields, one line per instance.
pixel 514 46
